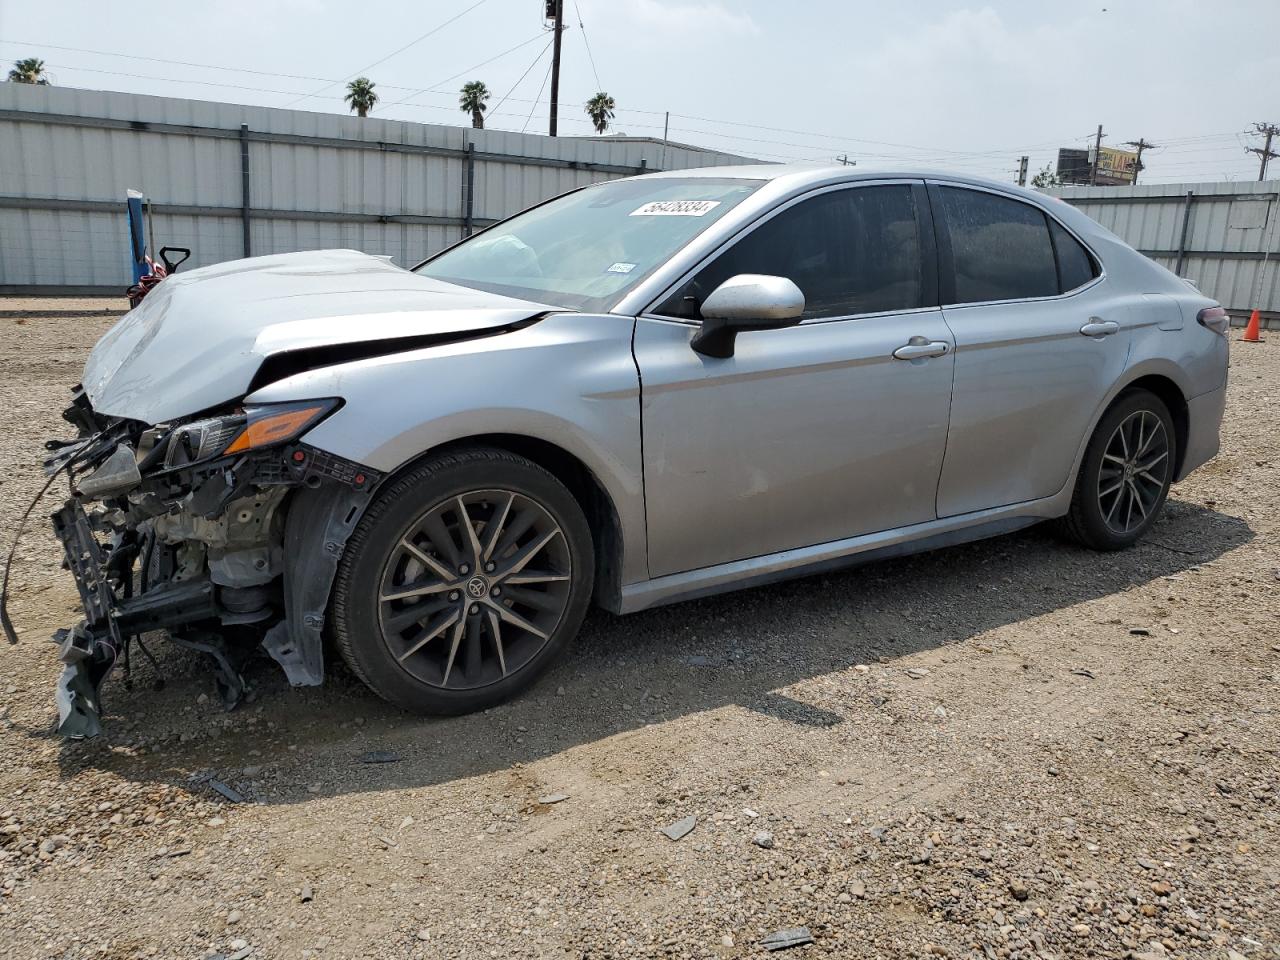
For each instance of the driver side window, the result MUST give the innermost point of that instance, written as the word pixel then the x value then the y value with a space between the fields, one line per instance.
pixel 849 251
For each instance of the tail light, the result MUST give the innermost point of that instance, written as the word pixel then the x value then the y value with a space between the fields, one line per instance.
pixel 1215 319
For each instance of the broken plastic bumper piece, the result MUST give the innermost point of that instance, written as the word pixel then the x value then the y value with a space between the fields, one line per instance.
pixel 77 693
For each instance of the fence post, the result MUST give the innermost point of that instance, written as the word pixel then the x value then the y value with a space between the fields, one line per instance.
pixel 244 186
pixel 1186 222
pixel 468 212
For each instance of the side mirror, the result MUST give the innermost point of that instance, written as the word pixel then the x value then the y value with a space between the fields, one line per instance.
pixel 749 301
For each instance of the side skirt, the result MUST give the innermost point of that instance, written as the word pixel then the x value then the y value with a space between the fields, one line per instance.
pixel 803 561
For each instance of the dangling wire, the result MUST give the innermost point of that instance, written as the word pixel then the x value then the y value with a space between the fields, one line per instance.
pixel 590 58
pixel 534 107
pixel 5 623
pixel 521 80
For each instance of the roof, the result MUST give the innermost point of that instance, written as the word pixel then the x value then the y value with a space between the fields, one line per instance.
pixel 800 174
pixel 786 178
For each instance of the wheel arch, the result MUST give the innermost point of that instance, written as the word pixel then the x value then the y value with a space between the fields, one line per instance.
pixel 1162 378
pixel 1174 399
pixel 587 489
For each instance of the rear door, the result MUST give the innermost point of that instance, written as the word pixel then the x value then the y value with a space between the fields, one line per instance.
pixel 1039 337
pixel 815 432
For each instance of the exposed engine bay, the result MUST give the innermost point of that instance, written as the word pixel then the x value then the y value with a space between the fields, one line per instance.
pixel 184 527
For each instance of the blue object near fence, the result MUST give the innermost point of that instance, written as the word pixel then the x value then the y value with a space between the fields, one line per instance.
pixel 137 235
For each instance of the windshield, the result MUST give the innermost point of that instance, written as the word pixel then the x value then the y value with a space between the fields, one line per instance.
pixel 588 248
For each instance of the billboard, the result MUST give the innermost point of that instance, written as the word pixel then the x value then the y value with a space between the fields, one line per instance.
pixel 1116 165
pixel 1073 165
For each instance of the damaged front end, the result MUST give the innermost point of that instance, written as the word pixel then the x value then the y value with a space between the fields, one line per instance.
pixel 223 531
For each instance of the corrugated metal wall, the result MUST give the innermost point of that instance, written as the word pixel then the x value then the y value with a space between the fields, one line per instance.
pixel 1222 236
pixel 315 180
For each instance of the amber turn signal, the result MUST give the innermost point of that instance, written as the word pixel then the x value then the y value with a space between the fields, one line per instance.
pixel 269 425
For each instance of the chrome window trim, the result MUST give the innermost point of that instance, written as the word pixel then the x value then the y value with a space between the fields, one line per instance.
pixel 812 321
pixel 1102 266
pixel 764 217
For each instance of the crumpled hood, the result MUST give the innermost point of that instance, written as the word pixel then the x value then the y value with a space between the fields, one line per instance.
pixel 198 338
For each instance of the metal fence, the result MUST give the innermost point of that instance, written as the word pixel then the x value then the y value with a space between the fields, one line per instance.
pixel 1222 236
pixel 230 181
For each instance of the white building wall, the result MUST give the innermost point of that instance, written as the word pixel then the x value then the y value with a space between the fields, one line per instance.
pixel 316 180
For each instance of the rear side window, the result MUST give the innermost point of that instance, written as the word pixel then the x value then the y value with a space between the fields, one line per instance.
pixel 849 251
pixel 1075 266
pixel 1000 247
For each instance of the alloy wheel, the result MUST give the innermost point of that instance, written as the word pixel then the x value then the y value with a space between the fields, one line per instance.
pixel 474 588
pixel 1134 472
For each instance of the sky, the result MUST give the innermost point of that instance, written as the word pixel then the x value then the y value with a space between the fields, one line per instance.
pixel 963 86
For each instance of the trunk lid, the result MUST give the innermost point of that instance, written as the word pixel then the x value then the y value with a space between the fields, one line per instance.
pixel 199 338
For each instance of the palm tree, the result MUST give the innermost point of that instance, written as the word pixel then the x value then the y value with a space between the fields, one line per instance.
pixel 600 109
pixel 30 70
pixel 475 101
pixel 361 96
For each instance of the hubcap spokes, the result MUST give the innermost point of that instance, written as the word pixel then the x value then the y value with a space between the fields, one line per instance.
pixel 1135 468
pixel 474 589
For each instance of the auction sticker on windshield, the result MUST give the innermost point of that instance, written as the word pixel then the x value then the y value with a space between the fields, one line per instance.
pixel 676 208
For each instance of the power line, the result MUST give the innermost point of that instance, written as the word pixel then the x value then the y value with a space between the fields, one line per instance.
pixel 202 83
pixel 414 42
pixel 1201 144
pixel 1267 130
pixel 546 76
pixel 432 89
pixel 522 76
pixel 175 63
pixel 587 43
pixel 1139 145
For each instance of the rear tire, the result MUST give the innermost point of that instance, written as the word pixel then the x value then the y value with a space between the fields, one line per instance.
pixel 1125 475
pixel 465 579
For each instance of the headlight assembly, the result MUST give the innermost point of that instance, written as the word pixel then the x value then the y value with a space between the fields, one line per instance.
pixel 254 428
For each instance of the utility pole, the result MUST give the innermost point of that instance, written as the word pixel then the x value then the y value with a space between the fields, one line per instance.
pixel 1267 130
pixel 1022 170
pixel 1097 155
pixel 1140 144
pixel 846 162
pixel 555 61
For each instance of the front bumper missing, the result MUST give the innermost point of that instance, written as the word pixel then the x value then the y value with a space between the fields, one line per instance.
pixel 90 649
pixel 89 655
pixel 327 499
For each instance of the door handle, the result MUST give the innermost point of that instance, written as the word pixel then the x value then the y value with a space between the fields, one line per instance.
pixel 1097 327
pixel 920 348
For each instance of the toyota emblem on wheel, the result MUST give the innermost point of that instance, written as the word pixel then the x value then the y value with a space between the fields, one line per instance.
pixel 477 587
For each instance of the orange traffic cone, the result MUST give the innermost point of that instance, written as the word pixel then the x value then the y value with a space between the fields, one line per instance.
pixel 1252 332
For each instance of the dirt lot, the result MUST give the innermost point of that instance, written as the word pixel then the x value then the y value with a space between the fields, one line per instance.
pixel 1010 749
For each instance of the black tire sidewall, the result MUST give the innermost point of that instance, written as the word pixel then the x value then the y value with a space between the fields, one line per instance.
pixel 404 501
pixel 1086 510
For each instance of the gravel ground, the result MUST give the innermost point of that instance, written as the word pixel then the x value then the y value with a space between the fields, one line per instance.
pixel 1009 749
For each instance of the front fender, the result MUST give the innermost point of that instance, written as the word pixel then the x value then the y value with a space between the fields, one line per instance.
pixel 569 380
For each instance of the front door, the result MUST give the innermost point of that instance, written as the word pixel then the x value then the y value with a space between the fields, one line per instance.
pixel 808 434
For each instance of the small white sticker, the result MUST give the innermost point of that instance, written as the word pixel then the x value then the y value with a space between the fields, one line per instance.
pixel 621 268
pixel 676 208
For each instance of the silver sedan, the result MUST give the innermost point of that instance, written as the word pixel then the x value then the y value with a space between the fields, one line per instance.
pixel 640 392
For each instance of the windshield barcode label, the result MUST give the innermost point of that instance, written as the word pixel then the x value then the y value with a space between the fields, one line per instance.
pixel 676 208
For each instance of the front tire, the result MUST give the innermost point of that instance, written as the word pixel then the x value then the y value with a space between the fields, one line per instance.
pixel 1126 473
pixel 465 579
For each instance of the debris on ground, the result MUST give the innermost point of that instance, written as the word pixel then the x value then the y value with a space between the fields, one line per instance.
pixel 681 828
pixel 380 756
pixel 791 937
